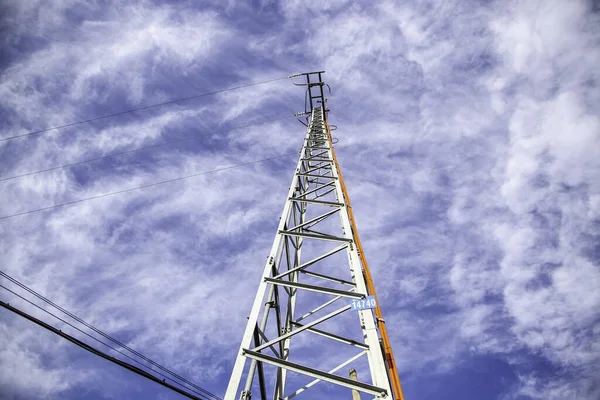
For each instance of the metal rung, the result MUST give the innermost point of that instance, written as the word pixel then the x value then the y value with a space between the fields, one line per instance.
pixel 314 288
pixel 316 236
pixel 318 176
pixel 320 202
pixel 315 373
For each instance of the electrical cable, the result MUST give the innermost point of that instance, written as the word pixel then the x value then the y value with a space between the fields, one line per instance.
pixel 139 109
pixel 76 318
pixel 143 186
pixel 213 397
pixel 98 352
pixel 135 150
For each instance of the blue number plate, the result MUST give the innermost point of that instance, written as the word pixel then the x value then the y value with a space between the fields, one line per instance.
pixel 363 304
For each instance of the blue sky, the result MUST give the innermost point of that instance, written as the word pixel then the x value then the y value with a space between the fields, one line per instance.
pixel 468 136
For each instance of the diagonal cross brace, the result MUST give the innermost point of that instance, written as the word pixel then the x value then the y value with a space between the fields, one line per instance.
pixel 303 328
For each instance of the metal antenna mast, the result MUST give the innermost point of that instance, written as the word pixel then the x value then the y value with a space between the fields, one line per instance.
pixel 316 290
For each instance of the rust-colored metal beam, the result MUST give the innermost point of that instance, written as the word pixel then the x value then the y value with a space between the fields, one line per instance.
pixel 387 347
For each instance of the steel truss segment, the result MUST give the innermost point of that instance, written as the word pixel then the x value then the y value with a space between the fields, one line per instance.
pixel 317 176
pixel 324 194
pixel 317 186
pixel 327 277
pixel 320 164
pixel 314 288
pixel 264 337
pixel 319 308
pixel 323 155
pixel 303 328
pixel 377 364
pixel 314 220
pixel 332 183
pixel 317 168
pixel 311 262
pixel 315 373
pixel 319 159
pixel 333 336
pixel 310 229
pixel 331 371
pixel 284 281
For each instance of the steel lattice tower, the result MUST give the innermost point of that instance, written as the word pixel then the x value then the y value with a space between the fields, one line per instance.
pixel 316 291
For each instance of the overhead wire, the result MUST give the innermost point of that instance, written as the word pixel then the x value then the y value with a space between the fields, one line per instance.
pixel 201 392
pixel 136 150
pixel 143 186
pixel 139 109
pixel 102 354
pixel 87 325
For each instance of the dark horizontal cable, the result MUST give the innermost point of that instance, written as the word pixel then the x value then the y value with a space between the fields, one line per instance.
pixel 98 352
pixel 46 300
pixel 140 109
pixel 118 351
pixel 143 186
pixel 137 149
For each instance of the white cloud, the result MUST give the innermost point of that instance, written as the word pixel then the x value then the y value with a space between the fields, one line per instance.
pixel 25 371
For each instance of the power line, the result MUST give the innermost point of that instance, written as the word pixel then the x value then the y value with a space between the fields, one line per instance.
pixel 139 109
pixel 135 150
pixel 97 352
pixel 213 397
pixel 143 186
pixel 107 336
